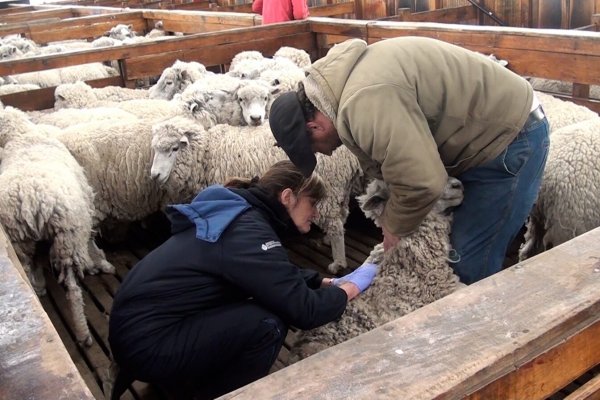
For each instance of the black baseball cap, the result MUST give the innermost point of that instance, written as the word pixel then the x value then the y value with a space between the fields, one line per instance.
pixel 288 125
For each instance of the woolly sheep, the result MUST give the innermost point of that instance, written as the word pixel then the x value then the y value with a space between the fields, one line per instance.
pixel 14 122
pixel 562 113
pixel 568 203
pixel 251 68
pixel 298 56
pixel 9 52
pixel 176 78
pixel 245 55
pixel 81 95
pixel 15 88
pixel 411 275
pixel 187 161
pixel 227 100
pixel 44 196
pixel 116 158
pixel 560 87
pixel 281 80
pixel 66 117
pixel 54 77
pixel 121 32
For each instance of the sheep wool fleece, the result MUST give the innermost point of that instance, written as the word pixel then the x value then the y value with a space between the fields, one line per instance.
pixel 415 110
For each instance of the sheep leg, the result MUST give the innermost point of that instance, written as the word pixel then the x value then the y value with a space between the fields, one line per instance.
pixel 75 298
pixel 99 260
pixel 25 252
pixel 335 233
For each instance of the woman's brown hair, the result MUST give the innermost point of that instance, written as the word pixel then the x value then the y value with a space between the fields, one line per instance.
pixel 283 175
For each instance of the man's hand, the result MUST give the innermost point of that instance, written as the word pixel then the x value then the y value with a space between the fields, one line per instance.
pixel 389 239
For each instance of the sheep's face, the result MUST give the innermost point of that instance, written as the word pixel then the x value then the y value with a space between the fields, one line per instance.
pixel 9 52
pixel 121 32
pixel 372 203
pixel 204 106
pixel 253 100
pixel 169 139
pixel 169 83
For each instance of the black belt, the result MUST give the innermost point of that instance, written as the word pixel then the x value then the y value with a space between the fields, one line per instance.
pixel 534 116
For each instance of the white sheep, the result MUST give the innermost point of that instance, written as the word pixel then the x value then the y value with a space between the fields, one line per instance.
pixel 44 196
pixel 74 73
pixel 15 122
pixel 65 117
pixel 560 87
pixel 81 95
pixel 298 56
pixel 411 275
pixel 561 113
pixel 9 52
pixel 245 55
pixel 176 78
pixel 568 203
pixel 187 160
pixel 15 88
pixel 227 100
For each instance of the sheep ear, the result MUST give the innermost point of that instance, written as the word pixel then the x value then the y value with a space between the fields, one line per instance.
pixel 372 203
pixel 107 33
pixel 12 50
pixel 193 106
pixel 184 140
pixel 130 26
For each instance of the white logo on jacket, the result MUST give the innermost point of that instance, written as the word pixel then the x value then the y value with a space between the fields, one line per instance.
pixel 270 245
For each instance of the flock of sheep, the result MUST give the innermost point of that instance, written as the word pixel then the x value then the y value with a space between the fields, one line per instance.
pixel 118 154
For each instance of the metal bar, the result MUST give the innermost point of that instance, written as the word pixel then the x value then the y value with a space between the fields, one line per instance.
pixel 488 12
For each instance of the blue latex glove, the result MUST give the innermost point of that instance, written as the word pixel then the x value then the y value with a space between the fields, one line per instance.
pixel 361 276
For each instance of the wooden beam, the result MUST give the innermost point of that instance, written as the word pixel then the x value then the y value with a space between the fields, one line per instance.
pixel 461 344
pixel 589 391
pixel 33 361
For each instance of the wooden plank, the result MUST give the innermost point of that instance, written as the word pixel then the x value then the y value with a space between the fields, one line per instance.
pixel 462 343
pixel 455 15
pixel 548 373
pixel 35 15
pixel 577 52
pixel 211 55
pixel 173 44
pixel 333 10
pixel 42 99
pixel 33 361
pixel 588 391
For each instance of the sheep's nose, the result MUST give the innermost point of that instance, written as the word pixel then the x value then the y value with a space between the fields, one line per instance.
pixel 255 118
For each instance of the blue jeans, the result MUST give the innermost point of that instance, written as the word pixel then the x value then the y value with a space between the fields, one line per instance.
pixel 498 197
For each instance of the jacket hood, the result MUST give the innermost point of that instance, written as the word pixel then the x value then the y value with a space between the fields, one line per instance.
pixel 212 210
pixel 327 77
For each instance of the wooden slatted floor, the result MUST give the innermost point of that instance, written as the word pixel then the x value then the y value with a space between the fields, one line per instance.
pixel 93 362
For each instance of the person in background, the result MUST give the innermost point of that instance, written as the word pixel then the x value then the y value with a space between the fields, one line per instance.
pixel 208 311
pixel 273 11
pixel 415 110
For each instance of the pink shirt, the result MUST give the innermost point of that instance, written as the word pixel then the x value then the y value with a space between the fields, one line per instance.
pixel 280 10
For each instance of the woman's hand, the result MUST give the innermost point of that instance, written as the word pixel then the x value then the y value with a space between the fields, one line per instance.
pixel 357 281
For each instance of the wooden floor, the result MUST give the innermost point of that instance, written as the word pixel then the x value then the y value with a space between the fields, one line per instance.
pixel 93 362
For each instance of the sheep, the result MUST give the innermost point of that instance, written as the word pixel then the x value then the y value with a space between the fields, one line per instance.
pixel 245 55
pixel 9 52
pixel 561 113
pixel 66 117
pixel 54 77
pixel 176 78
pixel 560 87
pixel 121 32
pixel 251 68
pixel 298 56
pixel 15 122
pixel 281 80
pixel 227 100
pixel 81 95
pixel 116 156
pixel 186 161
pixel 411 275
pixel 44 196
pixel 568 203
pixel 15 88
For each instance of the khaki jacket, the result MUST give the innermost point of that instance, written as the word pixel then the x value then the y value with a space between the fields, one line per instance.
pixel 415 110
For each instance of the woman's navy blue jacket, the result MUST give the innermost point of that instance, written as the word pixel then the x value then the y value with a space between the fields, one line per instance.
pixel 225 248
